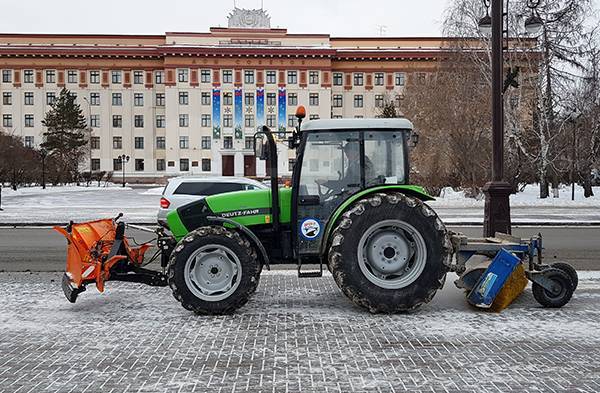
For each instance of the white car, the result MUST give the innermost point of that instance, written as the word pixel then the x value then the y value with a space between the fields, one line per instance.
pixel 180 191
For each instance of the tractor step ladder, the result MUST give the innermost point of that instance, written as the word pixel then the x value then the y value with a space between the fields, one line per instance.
pixel 310 273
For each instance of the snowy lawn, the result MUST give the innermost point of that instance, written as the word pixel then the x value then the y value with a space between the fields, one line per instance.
pixel 140 205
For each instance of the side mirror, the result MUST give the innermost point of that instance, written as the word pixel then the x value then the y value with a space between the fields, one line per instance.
pixel 260 147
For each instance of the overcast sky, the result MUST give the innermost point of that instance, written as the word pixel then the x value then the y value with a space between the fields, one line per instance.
pixel 337 17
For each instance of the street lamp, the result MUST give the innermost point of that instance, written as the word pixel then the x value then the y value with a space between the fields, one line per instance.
pixel 497 191
pixel 123 159
pixel 43 155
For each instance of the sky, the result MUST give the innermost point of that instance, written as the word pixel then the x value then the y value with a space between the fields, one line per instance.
pixel 335 17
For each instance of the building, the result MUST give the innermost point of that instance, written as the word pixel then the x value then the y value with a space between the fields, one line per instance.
pixel 184 103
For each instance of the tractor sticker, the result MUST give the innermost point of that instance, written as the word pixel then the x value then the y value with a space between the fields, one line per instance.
pixel 310 228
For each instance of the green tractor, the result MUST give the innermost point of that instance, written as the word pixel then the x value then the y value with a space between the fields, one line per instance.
pixel 350 207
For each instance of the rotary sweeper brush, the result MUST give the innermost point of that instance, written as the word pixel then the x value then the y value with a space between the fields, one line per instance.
pixel 351 207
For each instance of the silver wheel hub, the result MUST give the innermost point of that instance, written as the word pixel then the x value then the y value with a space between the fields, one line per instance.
pixel 392 254
pixel 213 272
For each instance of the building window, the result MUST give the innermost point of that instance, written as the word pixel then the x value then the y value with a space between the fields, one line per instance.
pixel 7 76
pixel 160 165
pixel 161 121
pixel 138 77
pixel 160 99
pixel 184 142
pixel 379 77
pixel 292 77
pixel 184 120
pixel 95 143
pixel 421 77
pixel 205 142
pixel 138 99
pixel 205 76
pixel 227 99
pixel 117 99
pixel 95 99
pixel 50 98
pixel 117 164
pixel 271 99
pixel 249 143
pixel 28 120
pixel 28 98
pixel 138 142
pixel 206 165
pixel 139 164
pixel 313 99
pixel 95 77
pixel 249 121
pixel 183 75
pixel 249 99
pixel 184 98
pixel 271 121
pixel 314 117
pixel 29 141
pixel 205 98
pixel 292 99
pixel 359 79
pixel 227 121
pixel 401 78
pixel 379 101
pixel 138 121
pixel 228 142
pixel 28 76
pixel 292 121
pixel 6 98
pixel 117 142
pixel 95 164
pixel 184 164
pixel 313 77
pixel 159 77
pixel 358 101
pixel 72 76
pixel 116 77
pixel 337 101
pixel 95 121
pixel 205 121
pixel 271 77
pixel 117 121
pixel 249 77
pixel 50 76
pixel 161 143
pixel 73 95
pixel 338 79
pixel 227 76
pixel 7 121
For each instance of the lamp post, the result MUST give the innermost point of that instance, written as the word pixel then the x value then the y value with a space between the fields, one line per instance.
pixel 498 190
pixel 123 159
pixel 43 155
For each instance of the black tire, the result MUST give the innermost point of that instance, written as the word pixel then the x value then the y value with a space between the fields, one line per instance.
pixel 248 280
pixel 343 257
pixel 546 298
pixel 570 270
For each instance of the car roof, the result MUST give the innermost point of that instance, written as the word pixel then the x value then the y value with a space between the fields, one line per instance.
pixel 213 179
pixel 357 124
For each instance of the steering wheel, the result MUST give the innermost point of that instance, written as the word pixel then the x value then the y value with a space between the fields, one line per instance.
pixel 330 192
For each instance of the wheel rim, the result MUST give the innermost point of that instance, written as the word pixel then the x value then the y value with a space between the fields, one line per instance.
pixel 392 254
pixel 561 283
pixel 213 272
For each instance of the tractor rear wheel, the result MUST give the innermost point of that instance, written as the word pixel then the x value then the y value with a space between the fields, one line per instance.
pixel 213 271
pixel 390 253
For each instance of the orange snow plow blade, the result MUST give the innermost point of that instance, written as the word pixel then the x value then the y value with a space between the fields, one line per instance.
pixel 98 251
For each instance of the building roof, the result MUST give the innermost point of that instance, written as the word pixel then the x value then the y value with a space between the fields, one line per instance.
pixel 357 124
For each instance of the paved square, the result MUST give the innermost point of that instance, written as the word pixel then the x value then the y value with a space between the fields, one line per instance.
pixel 295 335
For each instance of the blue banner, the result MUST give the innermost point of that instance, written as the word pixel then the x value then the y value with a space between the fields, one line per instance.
pixel 282 108
pixel 260 107
pixel 216 113
pixel 238 114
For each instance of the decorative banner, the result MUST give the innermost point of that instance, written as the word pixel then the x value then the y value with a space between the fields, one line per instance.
pixel 282 106
pixel 260 107
pixel 216 113
pixel 238 113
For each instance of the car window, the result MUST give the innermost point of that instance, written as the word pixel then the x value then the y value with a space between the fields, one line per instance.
pixel 207 189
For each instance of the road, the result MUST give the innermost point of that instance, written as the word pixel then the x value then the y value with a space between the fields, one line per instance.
pixel 42 249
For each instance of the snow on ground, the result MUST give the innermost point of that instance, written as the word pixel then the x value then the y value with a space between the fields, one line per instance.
pixel 140 204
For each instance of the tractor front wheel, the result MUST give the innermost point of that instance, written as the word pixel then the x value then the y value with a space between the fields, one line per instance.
pixel 213 271
pixel 390 253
